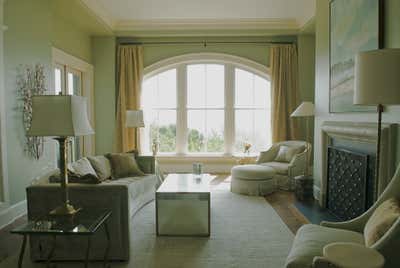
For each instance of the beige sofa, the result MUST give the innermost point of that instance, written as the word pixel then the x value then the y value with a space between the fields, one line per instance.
pixel 124 197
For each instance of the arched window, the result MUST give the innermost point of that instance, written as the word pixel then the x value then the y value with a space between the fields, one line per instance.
pixel 206 104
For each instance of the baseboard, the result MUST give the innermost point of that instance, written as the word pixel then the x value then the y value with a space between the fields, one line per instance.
pixel 9 214
pixel 316 192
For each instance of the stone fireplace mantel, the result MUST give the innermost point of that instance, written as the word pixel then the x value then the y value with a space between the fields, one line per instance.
pixel 359 132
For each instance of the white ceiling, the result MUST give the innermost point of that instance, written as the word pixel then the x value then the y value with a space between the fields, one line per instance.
pixel 126 14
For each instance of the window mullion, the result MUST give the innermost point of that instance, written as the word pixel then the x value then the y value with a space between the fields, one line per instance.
pixel 229 131
pixel 181 111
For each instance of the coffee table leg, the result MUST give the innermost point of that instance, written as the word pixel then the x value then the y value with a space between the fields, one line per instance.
pixel 51 253
pixel 87 252
pixel 21 253
pixel 108 244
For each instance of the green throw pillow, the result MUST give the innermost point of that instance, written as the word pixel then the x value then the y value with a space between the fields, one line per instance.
pixel 124 165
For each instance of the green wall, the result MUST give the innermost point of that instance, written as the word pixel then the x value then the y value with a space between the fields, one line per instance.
pixel 104 57
pixel 392 40
pixel 104 94
pixel 33 29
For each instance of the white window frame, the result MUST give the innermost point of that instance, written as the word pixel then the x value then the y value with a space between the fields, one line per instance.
pixel 230 62
pixel 61 58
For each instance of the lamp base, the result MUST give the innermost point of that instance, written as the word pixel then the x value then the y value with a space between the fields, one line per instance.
pixel 64 210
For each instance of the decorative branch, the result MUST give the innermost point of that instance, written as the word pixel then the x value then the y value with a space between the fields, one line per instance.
pixel 31 82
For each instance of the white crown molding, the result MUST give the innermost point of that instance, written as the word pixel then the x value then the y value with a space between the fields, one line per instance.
pixel 100 12
pixel 206 24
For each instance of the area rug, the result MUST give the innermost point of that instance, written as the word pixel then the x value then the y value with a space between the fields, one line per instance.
pixel 246 232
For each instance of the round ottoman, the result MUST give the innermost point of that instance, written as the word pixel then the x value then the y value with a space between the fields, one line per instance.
pixel 253 180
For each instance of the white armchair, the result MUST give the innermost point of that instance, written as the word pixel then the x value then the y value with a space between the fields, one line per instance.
pixel 286 171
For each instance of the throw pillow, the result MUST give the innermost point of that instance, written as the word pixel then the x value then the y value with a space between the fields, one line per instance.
pixel 81 168
pixel 124 165
pixel 285 154
pixel 381 220
pixel 102 166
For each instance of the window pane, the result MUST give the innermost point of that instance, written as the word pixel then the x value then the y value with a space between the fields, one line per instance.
pixel 262 130
pixel 167 89
pixel 57 81
pixel 243 128
pixel 167 130
pixel 196 131
pixel 196 85
pixel 205 85
pixel 262 92
pixel 243 88
pixel 215 81
pixel 149 93
pixel 161 127
pixel 215 131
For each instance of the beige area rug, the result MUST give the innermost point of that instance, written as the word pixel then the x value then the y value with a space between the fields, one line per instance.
pixel 246 232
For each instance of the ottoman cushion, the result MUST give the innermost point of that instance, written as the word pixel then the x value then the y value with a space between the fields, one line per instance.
pixel 252 172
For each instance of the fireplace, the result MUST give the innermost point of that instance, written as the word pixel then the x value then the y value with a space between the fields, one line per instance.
pixel 358 138
pixel 349 183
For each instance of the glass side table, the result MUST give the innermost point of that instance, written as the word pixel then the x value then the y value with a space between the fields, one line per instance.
pixel 82 224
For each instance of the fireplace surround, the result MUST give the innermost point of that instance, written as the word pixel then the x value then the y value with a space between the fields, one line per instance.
pixel 362 134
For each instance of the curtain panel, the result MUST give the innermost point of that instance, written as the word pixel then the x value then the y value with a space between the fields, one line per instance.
pixel 284 91
pixel 129 83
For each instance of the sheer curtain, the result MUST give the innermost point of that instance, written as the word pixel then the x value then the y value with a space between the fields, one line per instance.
pixel 129 79
pixel 284 91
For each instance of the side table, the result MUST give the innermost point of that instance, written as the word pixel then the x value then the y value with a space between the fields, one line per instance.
pixel 352 255
pixel 82 223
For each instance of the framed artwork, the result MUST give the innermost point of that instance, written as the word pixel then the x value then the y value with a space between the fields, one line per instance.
pixel 355 26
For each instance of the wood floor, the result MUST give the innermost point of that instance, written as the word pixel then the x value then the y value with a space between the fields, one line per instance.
pixel 281 201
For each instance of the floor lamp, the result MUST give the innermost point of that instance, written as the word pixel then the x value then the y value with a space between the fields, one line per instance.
pixel 60 117
pixel 134 119
pixel 305 109
pixel 377 82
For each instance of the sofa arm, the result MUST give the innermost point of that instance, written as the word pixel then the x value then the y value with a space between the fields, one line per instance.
pixel 147 163
pixel 298 165
pixel 92 198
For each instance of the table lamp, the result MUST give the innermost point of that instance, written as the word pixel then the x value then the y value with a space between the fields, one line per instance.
pixel 305 109
pixel 61 117
pixel 377 82
pixel 134 119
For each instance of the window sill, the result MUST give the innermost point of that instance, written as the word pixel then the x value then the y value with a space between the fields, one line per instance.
pixel 204 158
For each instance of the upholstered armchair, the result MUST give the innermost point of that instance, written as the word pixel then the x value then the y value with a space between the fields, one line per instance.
pixel 286 170
pixel 310 239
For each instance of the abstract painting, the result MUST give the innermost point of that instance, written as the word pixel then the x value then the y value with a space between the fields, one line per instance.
pixel 354 26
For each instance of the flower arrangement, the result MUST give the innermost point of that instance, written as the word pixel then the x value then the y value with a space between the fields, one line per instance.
pixel 246 147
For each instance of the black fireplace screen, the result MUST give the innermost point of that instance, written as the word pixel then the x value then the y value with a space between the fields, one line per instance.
pixel 347 183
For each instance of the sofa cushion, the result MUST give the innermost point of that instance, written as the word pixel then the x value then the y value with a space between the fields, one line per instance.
pixel 310 241
pixel 81 168
pixel 102 166
pixel 280 167
pixel 124 165
pixel 381 221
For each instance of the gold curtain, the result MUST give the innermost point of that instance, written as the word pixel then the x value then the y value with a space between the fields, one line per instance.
pixel 284 91
pixel 129 82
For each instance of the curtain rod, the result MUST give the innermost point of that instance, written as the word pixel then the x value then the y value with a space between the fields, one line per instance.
pixel 205 43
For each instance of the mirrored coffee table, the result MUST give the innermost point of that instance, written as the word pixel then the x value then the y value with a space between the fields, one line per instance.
pixel 84 223
pixel 183 205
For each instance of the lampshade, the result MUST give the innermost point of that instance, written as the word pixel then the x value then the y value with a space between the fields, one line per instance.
pixel 134 118
pixel 59 115
pixel 306 108
pixel 377 77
